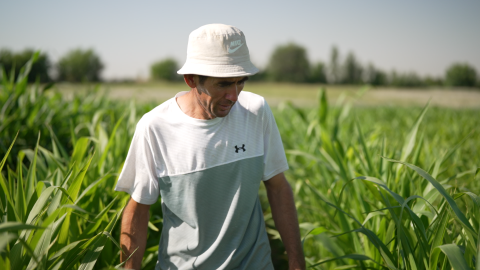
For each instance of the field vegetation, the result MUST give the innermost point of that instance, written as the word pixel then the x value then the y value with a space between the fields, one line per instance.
pixel 376 187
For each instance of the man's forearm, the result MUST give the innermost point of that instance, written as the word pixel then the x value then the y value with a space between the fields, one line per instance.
pixel 285 216
pixel 134 233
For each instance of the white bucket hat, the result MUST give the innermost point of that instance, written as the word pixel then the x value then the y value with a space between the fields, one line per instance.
pixel 218 50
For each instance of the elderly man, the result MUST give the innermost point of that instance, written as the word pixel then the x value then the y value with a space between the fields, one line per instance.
pixel 205 152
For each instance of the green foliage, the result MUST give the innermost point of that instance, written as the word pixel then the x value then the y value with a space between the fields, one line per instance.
pixel 433 81
pixel 57 204
pixel 374 76
pixel 259 77
pixel 13 62
pixel 375 188
pixel 334 68
pixel 80 66
pixel 461 74
pixel 165 70
pixel 318 73
pixel 408 80
pixel 289 63
pixel 352 70
pixel 366 209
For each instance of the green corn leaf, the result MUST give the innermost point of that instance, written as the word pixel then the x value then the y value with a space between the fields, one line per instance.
pixel 438 235
pixel 112 239
pixel 17 226
pixel 20 200
pixel 92 185
pixel 315 231
pixel 92 255
pixel 323 107
pixel 79 151
pixel 478 246
pixel 364 148
pixel 2 181
pixel 40 204
pixel 66 249
pixel 76 207
pixel 31 176
pixel 357 257
pixel 121 264
pixel 441 190
pixel 92 228
pixel 455 256
pixel 5 238
pixel 109 144
pixel 22 76
pixel 74 188
pixel 410 140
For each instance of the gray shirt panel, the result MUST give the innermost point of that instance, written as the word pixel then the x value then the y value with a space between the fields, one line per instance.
pixel 213 219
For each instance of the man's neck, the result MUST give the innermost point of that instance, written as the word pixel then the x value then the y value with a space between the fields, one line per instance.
pixel 189 105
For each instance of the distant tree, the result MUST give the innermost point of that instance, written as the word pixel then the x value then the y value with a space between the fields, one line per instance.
pixel 289 63
pixel 165 70
pixel 334 69
pixel 318 73
pixel 409 80
pixel 259 77
pixel 80 65
pixel 352 70
pixel 13 62
pixel 433 81
pixel 374 76
pixel 461 74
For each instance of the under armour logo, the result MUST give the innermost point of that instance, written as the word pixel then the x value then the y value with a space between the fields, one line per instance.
pixel 238 148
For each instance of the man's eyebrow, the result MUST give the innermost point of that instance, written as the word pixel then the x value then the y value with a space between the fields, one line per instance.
pixel 225 82
pixel 230 82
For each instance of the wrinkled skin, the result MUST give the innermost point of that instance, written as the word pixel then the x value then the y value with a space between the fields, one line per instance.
pixel 214 98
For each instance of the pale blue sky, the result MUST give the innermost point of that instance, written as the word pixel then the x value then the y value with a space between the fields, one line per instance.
pixel 421 36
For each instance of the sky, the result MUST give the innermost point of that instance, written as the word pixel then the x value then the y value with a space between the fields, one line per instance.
pixel 421 36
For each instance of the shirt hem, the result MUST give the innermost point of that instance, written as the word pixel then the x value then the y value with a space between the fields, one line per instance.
pixel 272 174
pixel 135 197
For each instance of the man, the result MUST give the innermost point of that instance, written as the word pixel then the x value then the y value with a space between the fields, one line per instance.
pixel 206 152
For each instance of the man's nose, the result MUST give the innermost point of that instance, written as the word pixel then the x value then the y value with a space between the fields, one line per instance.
pixel 232 93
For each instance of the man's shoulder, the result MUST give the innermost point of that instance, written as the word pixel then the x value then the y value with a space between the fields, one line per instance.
pixel 252 102
pixel 156 115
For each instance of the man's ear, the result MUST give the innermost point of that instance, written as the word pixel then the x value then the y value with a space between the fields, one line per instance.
pixel 189 80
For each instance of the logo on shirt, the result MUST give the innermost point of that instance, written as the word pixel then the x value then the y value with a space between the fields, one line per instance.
pixel 235 43
pixel 238 148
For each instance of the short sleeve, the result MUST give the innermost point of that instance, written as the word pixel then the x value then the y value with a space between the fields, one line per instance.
pixel 275 160
pixel 138 176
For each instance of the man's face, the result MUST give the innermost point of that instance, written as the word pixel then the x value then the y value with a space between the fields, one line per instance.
pixel 218 95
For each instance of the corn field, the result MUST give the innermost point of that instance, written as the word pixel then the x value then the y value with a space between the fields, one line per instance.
pixel 375 188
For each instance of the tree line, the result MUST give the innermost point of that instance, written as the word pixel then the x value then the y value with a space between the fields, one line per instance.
pixel 287 63
pixel 77 65
pixel 290 63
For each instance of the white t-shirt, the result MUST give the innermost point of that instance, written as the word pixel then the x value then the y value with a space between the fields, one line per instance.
pixel 208 174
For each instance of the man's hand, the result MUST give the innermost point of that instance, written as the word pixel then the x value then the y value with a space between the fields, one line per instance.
pixel 134 233
pixel 284 214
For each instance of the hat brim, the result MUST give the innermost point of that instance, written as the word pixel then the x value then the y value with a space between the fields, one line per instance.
pixel 221 71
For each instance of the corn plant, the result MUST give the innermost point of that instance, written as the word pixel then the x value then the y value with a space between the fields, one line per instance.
pixel 365 204
pixel 375 188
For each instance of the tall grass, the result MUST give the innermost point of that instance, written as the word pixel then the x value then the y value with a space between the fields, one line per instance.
pixel 57 203
pixel 365 203
pixel 375 187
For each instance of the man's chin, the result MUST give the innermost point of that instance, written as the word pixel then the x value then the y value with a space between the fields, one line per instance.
pixel 222 113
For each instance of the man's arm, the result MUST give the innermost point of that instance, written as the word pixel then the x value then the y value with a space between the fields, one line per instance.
pixel 134 233
pixel 284 214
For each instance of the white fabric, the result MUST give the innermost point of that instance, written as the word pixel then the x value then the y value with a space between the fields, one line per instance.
pixel 167 142
pixel 218 50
